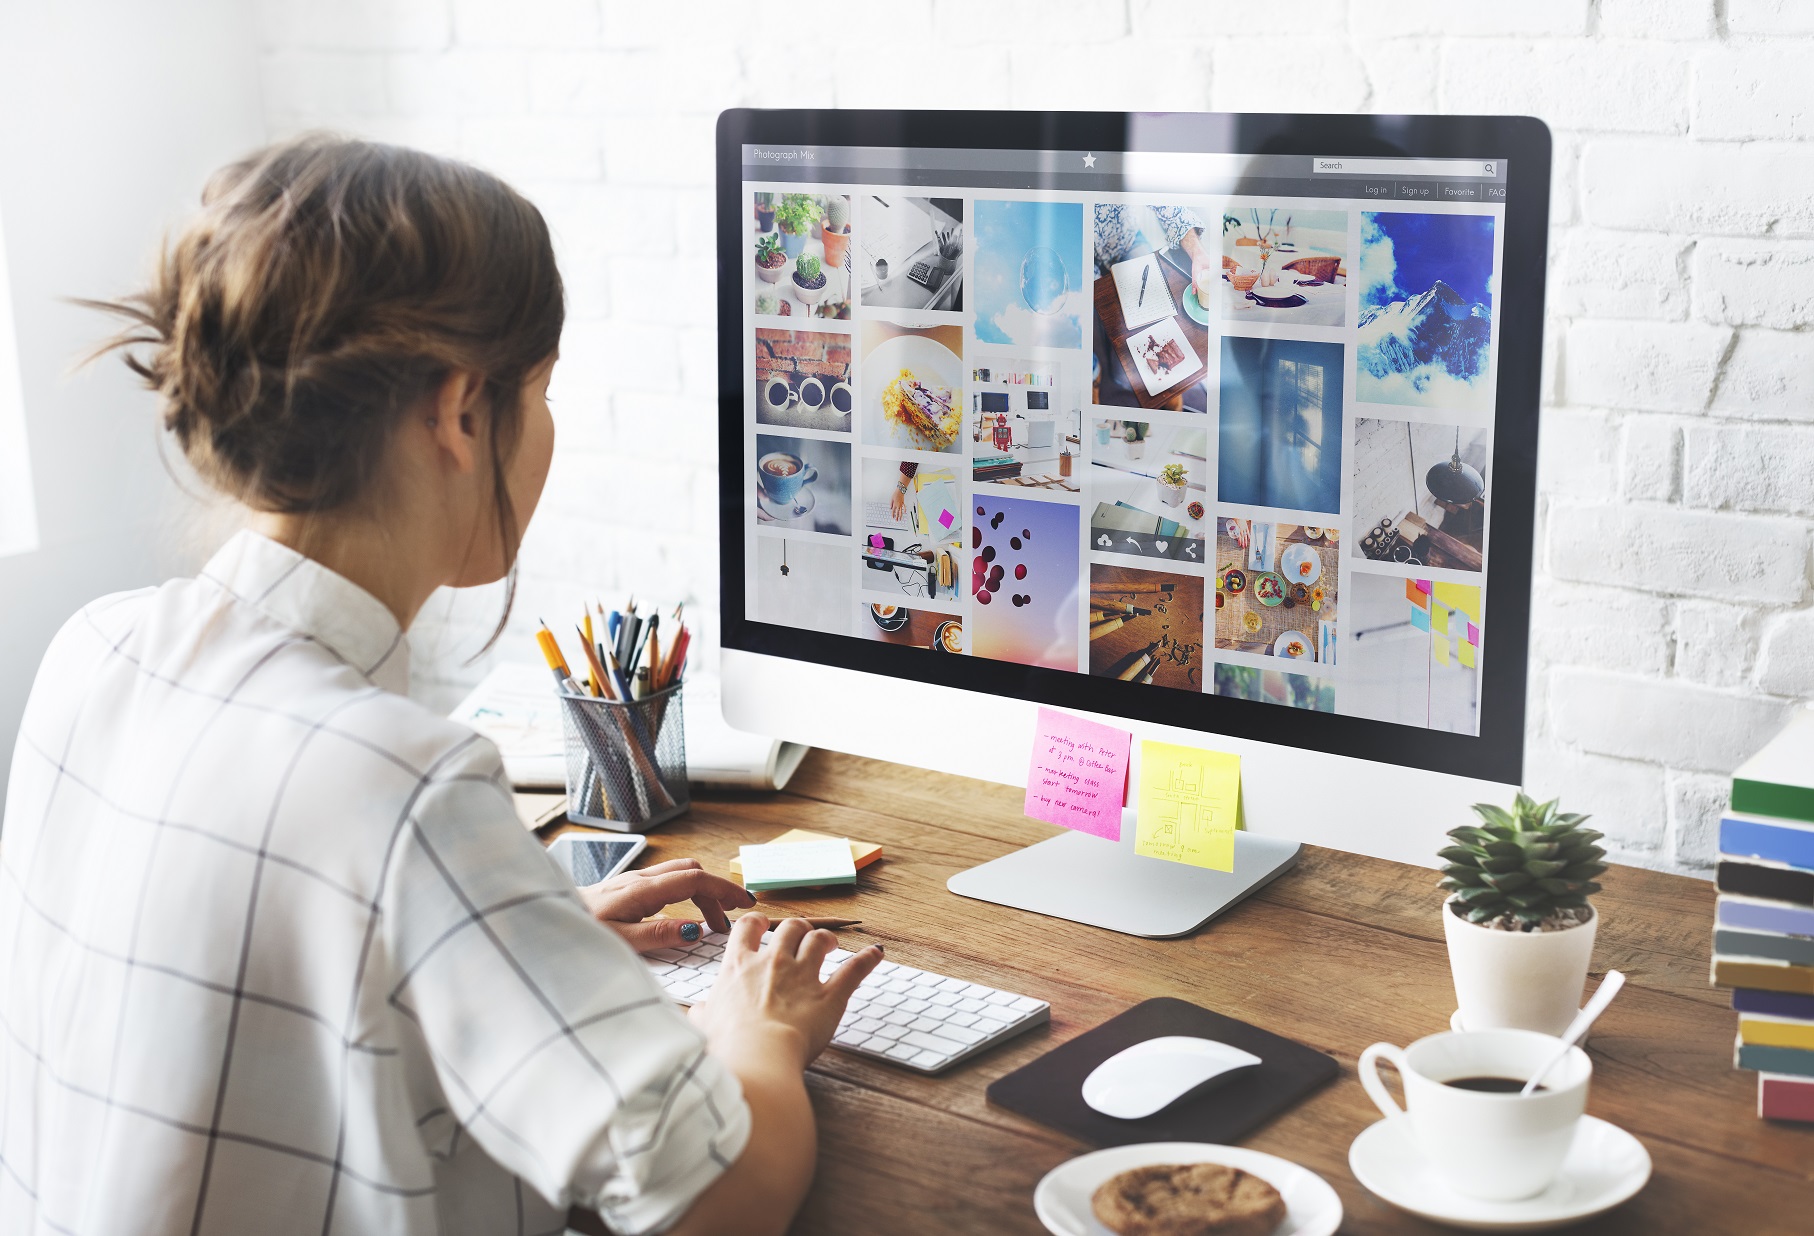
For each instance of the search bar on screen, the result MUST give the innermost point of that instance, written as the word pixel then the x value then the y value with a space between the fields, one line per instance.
pixel 1450 169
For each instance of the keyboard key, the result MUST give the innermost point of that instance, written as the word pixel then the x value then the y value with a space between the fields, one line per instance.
pixel 845 1038
pixel 708 950
pixel 666 954
pixel 695 962
pixel 1024 1004
pixel 939 1013
pixel 931 1042
pixel 1000 997
pixel 660 968
pixel 898 1017
pixel 923 1023
pixel 966 1037
pixel 900 1051
pixel 945 998
pixel 953 984
pixel 889 1033
pixel 960 1019
pixel 914 1006
pixel 888 999
pixel 988 1025
pixel 930 1059
pixel 887 968
pixel 868 1025
pixel 971 1006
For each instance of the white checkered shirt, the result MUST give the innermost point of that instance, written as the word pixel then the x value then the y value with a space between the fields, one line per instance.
pixel 276 955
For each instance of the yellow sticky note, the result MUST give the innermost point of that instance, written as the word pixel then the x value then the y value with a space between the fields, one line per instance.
pixel 1440 645
pixel 1439 618
pixel 1464 597
pixel 1467 653
pixel 1190 805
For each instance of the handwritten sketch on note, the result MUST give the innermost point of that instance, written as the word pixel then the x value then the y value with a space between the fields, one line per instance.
pixel 1189 803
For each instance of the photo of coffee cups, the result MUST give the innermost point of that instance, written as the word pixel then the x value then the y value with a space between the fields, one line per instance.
pixel 781 474
pixel 1465 1114
pixel 949 637
pixel 777 395
pixel 843 399
pixel 811 394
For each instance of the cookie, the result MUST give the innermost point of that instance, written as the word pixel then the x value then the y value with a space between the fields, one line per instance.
pixel 1195 1199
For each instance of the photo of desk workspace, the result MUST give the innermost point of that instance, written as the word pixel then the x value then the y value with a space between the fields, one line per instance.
pixel 1146 627
pixel 1280 264
pixel 1420 493
pixel 913 529
pixel 1151 334
pixel 911 253
pixel 1025 427
pixel 1149 487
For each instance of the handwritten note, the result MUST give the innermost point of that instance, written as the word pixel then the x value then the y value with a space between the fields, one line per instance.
pixel 1078 776
pixel 1190 804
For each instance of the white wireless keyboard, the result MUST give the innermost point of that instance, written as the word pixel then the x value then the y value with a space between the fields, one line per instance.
pixel 920 1020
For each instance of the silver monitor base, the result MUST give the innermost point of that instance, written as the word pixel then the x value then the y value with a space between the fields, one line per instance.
pixel 1105 884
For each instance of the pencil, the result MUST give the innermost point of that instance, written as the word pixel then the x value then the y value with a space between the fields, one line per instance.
pixel 818 924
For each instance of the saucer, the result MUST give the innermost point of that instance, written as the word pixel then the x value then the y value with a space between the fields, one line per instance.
pixel 1605 1166
pixel 1194 307
pixel 1062 1198
pixel 802 504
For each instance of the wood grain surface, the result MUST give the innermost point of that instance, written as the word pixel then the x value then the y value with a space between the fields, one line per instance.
pixel 1341 952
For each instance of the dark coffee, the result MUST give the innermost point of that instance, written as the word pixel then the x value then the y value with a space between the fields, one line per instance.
pixel 780 467
pixel 1491 1085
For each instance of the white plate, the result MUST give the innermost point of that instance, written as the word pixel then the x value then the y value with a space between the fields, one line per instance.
pixel 1062 1198
pixel 1605 1166
pixel 1165 330
pixel 931 362
pixel 1279 645
pixel 1298 553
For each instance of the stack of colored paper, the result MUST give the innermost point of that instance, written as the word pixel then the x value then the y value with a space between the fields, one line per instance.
pixel 1763 939
pixel 797 864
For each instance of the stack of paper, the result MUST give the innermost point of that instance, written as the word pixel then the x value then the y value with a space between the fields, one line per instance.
pixel 797 864
pixel 1763 939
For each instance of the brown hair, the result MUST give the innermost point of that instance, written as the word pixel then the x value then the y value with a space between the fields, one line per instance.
pixel 328 287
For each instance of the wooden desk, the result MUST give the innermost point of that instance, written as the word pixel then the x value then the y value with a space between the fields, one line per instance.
pixel 1123 386
pixel 1339 953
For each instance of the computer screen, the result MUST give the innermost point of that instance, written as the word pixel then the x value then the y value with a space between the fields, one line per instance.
pixel 1228 422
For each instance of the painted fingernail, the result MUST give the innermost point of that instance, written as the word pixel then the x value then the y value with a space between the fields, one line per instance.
pixel 689 931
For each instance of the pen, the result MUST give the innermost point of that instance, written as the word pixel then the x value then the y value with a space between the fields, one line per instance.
pixel 824 924
pixel 1144 272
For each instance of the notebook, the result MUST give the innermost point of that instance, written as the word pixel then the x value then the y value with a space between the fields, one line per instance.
pixel 938 513
pixel 1138 309
pixel 1050 1090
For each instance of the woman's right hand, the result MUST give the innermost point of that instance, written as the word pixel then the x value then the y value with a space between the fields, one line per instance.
pixel 774 993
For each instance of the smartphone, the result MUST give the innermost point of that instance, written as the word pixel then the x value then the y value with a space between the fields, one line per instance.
pixel 587 860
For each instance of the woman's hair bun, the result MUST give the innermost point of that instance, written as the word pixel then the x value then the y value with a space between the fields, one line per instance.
pixel 328 286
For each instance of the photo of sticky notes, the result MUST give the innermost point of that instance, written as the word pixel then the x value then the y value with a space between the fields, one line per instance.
pixel 1189 805
pixel 798 864
pixel 862 853
pixel 1420 618
pixel 1077 777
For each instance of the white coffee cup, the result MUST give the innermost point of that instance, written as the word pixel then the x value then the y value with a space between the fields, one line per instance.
pixel 1496 1147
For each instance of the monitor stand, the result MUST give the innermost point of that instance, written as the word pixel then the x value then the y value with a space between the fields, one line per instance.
pixel 1105 884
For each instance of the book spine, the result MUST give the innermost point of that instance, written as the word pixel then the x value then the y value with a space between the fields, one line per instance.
pixel 1781 1097
pixel 1773 1003
pixel 1794 802
pixel 1776 842
pixel 1796 950
pixel 1776 1032
pixel 1741 915
pixel 1775 1060
pixel 1763 975
pixel 1752 879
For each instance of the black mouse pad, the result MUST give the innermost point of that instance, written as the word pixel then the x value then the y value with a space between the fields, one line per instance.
pixel 1050 1090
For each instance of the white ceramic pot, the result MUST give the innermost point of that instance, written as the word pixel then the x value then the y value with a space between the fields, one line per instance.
pixel 1171 495
pixel 1518 980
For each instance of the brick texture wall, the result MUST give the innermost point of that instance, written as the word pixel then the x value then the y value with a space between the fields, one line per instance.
pixel 795 355
pixel 1673 628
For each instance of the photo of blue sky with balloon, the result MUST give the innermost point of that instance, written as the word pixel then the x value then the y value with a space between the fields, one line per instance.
pixel 1030 288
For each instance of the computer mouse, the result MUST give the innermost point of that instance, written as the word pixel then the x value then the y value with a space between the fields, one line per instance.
pixel 1149 1077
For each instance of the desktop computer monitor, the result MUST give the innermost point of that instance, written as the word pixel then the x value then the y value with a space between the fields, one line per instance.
pixel 1284 371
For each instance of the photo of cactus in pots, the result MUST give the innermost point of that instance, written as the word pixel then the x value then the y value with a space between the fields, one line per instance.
pixel 809 279
pixel 1527 869
pixel 765 211
pixel 834 232
pixel 768 302
pixel 795 216
pixel 771 259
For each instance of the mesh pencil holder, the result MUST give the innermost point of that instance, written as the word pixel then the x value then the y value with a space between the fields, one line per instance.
pixel 626 760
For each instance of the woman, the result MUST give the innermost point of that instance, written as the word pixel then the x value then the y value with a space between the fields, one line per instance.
pixel 275 954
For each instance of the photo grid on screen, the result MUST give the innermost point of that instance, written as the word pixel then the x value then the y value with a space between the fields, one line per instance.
pixel 1222 443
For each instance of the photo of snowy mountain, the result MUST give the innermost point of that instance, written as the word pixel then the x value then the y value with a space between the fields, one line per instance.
pixel 1426 311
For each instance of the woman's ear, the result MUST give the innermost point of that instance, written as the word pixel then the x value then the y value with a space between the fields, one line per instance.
pixel 452 420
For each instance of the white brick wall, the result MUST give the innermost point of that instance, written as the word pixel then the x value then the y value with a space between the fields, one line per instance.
pixel 1673 622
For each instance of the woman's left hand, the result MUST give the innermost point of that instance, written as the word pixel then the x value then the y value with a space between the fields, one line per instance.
pixel 625 901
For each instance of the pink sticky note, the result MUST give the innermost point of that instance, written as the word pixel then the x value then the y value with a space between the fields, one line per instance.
pixel 944 519
pixel 1078 774
pixel 1423 585
pixel 1473 634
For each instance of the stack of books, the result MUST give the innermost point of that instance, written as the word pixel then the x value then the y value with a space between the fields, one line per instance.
pixel 1763 938
pixel 994 467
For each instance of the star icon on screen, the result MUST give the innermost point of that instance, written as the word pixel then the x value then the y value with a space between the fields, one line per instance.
pixel 1089 160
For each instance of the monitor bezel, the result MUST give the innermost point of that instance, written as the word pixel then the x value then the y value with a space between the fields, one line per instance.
pixel 1497 753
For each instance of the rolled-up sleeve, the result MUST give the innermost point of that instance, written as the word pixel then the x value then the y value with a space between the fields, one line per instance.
pixel 551 1042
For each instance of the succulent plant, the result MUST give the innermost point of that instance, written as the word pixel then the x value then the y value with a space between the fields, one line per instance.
pixel 765 201
pixel 837 213
pixel 806 268
pixel 768 249
pixel 1172 474
pixel 768 301
pixel 797 212
pixel 1527 864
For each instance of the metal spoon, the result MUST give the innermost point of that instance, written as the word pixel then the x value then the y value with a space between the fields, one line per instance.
pixel 1609 987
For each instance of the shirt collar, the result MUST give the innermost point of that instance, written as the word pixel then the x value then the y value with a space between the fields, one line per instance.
pixel 305 596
